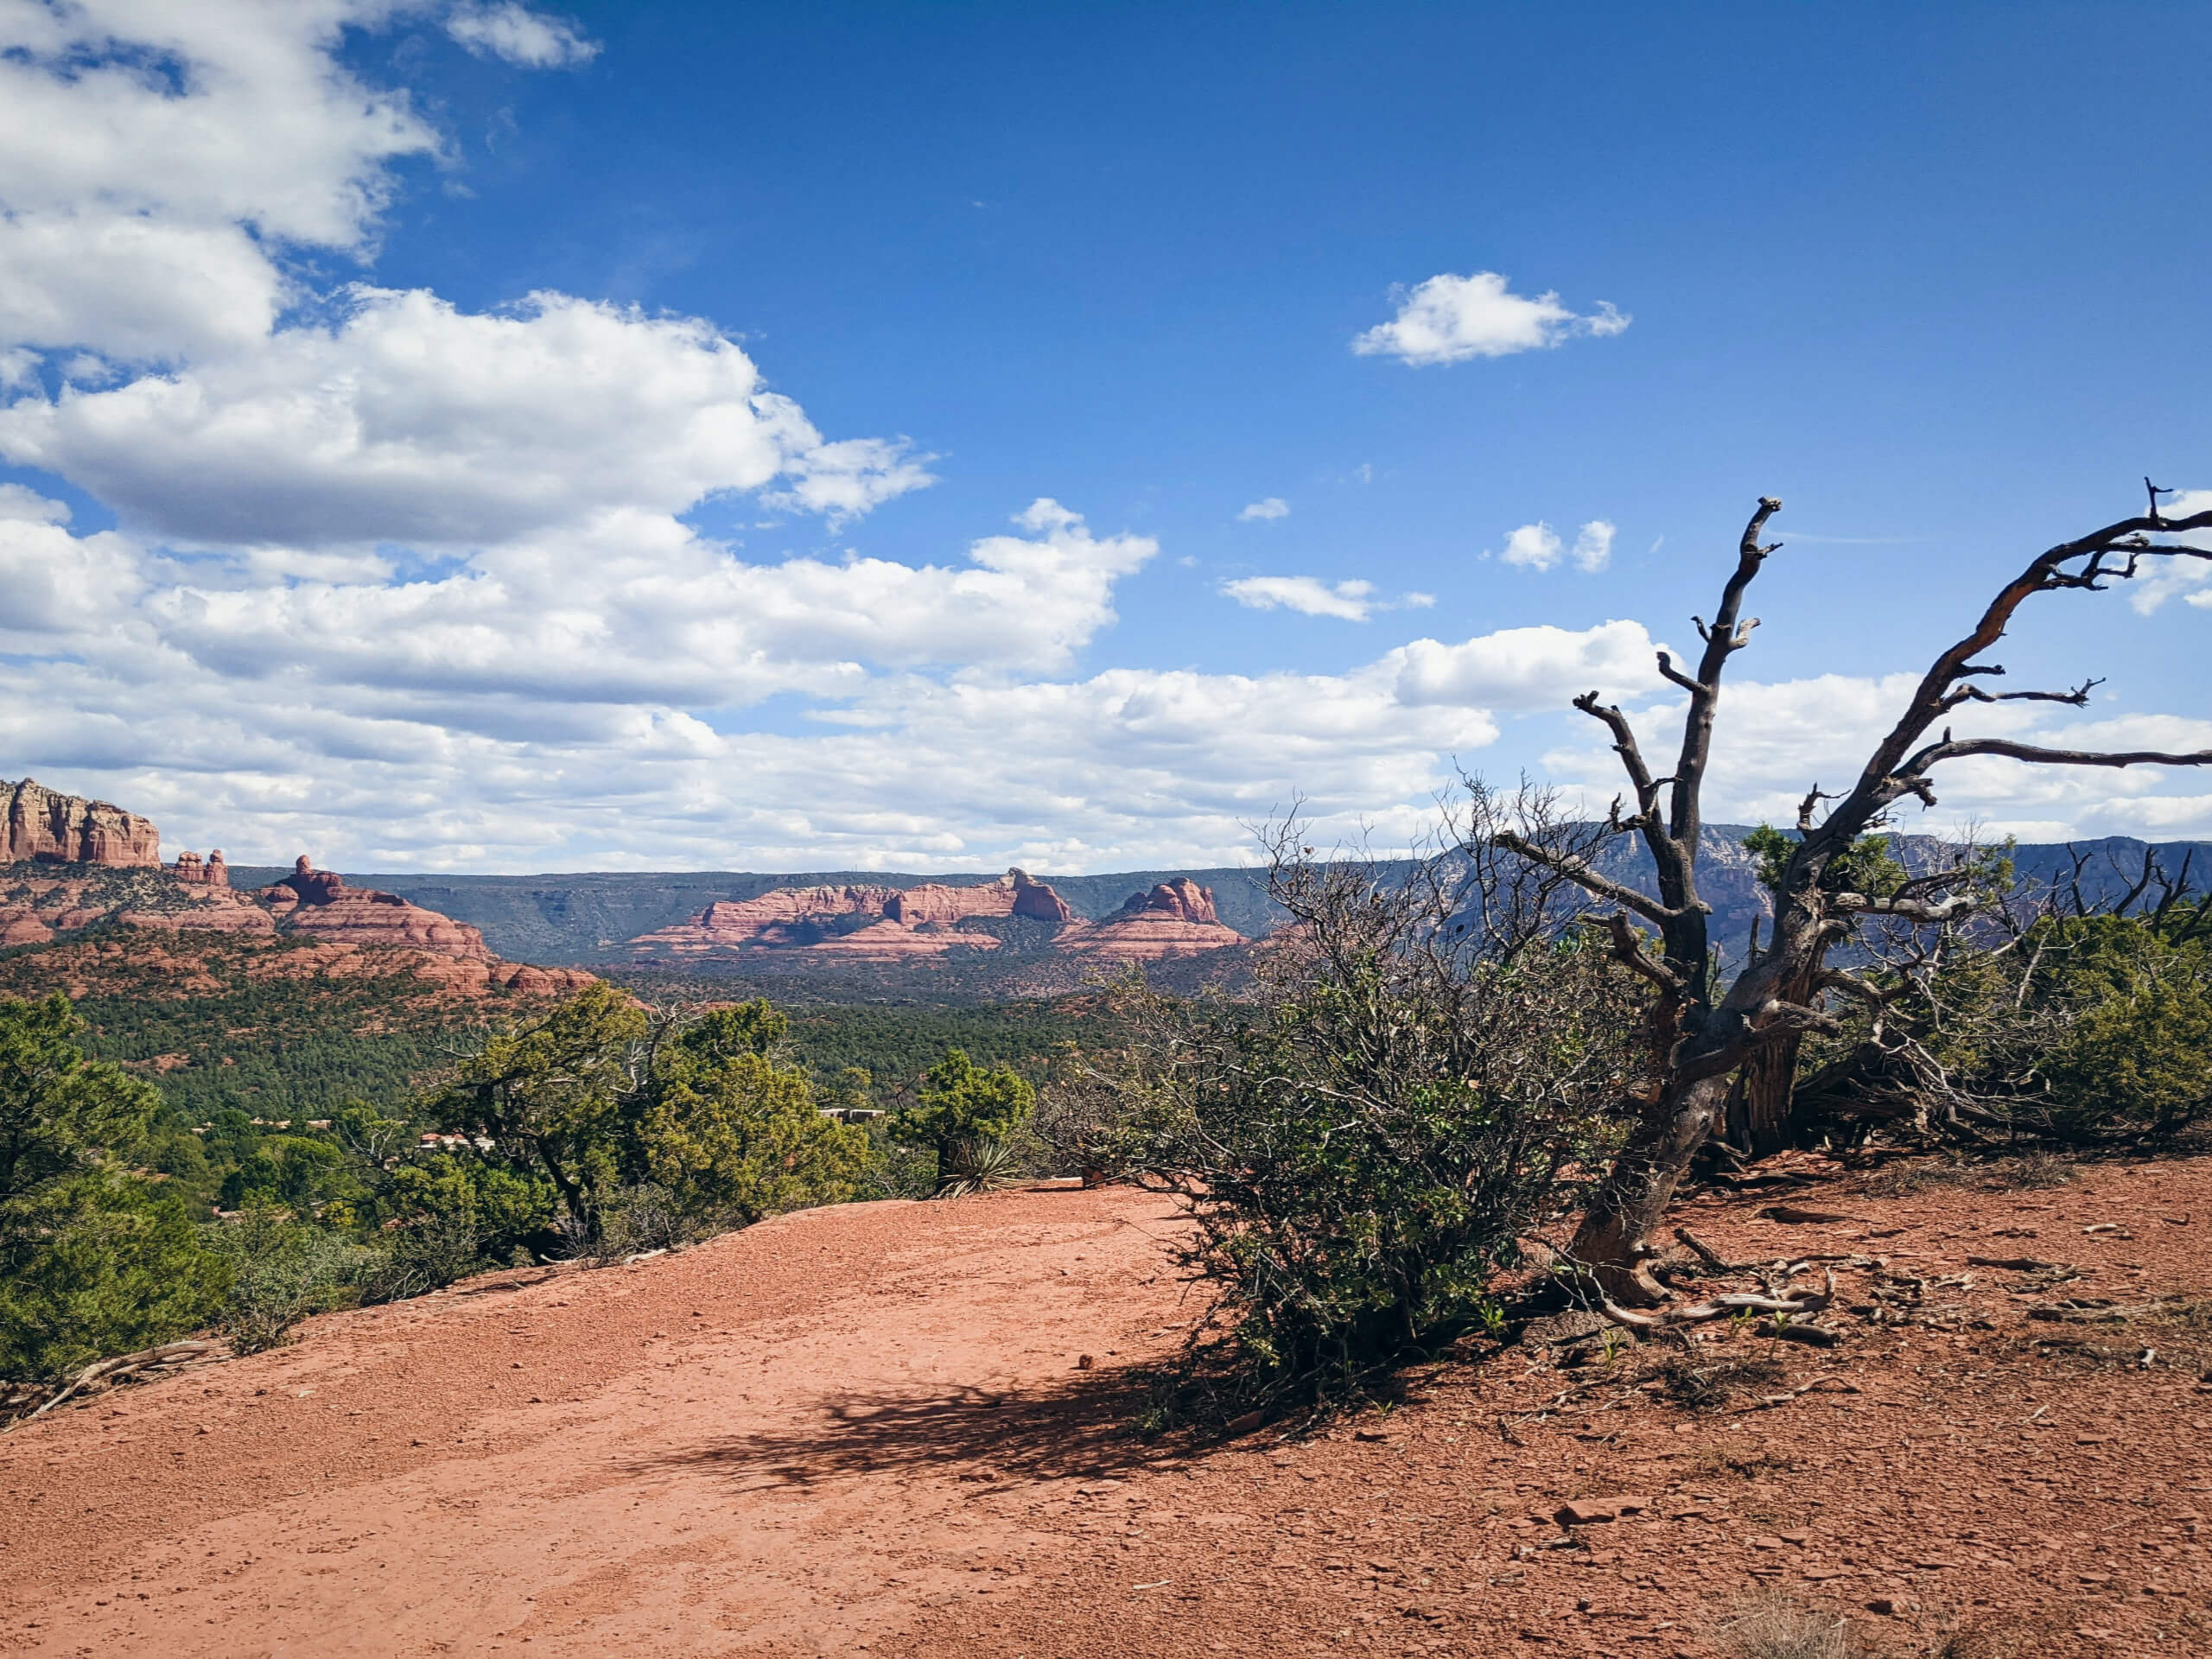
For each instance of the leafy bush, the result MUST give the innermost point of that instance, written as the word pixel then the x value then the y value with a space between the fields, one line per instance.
pixel 961 1102
pixel 101 1263
pixel 2076 1028
pixel 1426 1079
pixel 281 1270
pixel 650 1122
pixel 95 1258
pixel 731 1133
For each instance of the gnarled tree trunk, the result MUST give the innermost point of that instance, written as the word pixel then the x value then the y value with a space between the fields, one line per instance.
pixel 1696 1041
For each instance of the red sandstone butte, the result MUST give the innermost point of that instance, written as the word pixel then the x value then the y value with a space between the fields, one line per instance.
pixel 319 904
pixel 1176 919
pixel 902 925
pixel 56 829
pixel 193 874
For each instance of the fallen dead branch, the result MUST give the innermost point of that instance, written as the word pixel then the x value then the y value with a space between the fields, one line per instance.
pixel 1721 1307
pixel 106 1370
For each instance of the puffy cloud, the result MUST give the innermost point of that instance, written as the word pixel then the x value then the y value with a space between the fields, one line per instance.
pixel 1527 669
pixel 1310 596
pixel 1273 506
pixel 157 166
pixel 519 35
pixel 1533 547
pixel 1449 319
pixel 1594 545
pixel 149 155
pixel 638 608
pixel 408 420
pixel 1538 547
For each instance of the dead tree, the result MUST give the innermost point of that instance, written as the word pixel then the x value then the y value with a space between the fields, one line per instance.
pixel 1700 1039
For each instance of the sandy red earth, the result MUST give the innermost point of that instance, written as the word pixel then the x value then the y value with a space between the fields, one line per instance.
pixel 869 1430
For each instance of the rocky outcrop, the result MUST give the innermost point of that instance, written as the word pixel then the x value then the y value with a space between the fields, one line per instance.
pixel 319 904
pixel 39 902
pixel 860 923
pixel 1176 919
pixel 1015 894
pixel 214 873
pixel 57 828
pixel 786 917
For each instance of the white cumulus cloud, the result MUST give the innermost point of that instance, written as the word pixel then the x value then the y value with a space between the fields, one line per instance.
pixel 1538 546
pixel 1594 545
pixel 160 165
pixel 1273 506
pixel 1449 319
pixel 1310 596
pixel 520 36
pixel 406 419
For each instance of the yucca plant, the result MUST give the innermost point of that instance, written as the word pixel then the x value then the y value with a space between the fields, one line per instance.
pixel 978 1163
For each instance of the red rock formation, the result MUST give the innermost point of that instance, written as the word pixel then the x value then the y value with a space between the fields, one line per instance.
pixel 787 917
pixel 193 874
pixel 894 941
pixel 906 923
pixel 1176 919
pixel 1013 894
pixel 58 829
pixel 319 904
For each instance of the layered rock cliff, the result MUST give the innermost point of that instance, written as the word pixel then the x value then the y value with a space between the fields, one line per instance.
pixel 56 829
pixel 866 923
pixel 319 904
pixel 1175 918
pixel 860 923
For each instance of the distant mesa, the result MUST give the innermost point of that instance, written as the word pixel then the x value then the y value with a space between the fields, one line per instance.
pixel 50 828
pixel 319 904
pixel 1176 919
pixel 868 923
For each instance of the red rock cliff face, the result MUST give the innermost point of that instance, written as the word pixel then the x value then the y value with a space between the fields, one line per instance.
pixel 1015 894
pixel 60 828
pixel 900 923
pixel 1176 919
pixel 319 904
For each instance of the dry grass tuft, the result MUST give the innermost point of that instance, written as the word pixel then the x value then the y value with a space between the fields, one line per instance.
pixel 1774 1627
pixel 1698 1385
pixel 2023 1172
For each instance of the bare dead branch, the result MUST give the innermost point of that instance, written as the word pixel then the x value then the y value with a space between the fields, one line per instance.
pixel 1911 909
pixel 1624 745
pixel 1578 870
pixel 1949 750
pixel 1628 949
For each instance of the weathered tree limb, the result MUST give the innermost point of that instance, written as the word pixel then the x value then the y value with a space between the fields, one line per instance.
pixel 1628 949
pixel 1706 1039
pixel 1721 1307
pixel 1579 871
pixel 171 1353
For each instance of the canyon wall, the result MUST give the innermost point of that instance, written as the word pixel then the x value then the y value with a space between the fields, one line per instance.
pixel 51 827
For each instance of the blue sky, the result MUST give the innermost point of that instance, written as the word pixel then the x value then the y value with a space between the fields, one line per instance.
pixel 433 575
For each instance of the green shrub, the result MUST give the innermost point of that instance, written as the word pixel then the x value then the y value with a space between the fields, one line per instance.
pixel 101 1263
pixel 1366 1144
pixel 961 1102
pixel 281 1271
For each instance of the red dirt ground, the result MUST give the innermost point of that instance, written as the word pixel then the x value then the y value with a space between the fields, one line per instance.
pixel 866 1430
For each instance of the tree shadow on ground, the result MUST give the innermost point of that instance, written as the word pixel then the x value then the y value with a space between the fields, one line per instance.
pixel 1084 1428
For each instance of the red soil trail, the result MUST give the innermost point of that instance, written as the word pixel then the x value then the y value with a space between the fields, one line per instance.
pixel 865 1430
pixel 783 1441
